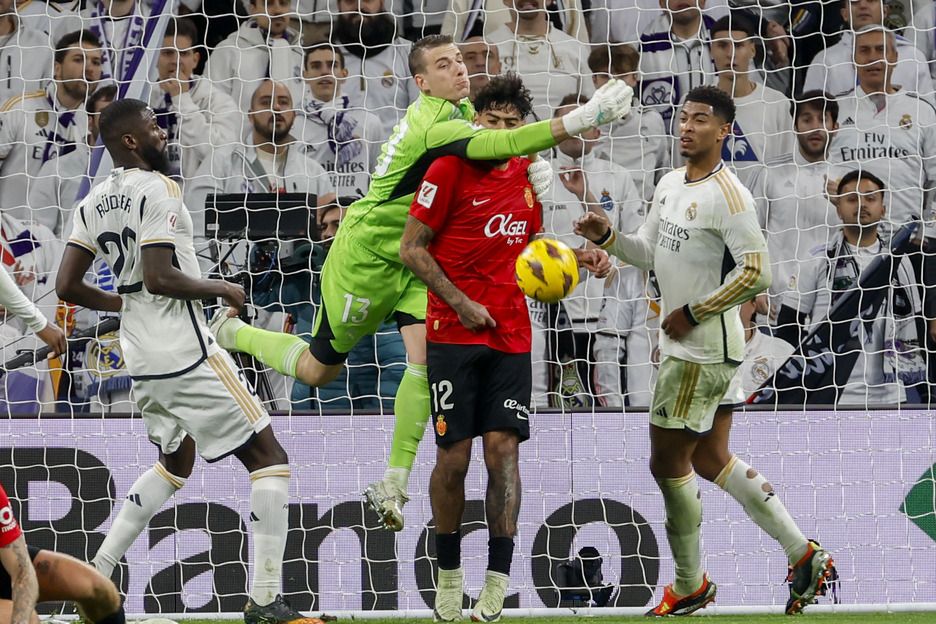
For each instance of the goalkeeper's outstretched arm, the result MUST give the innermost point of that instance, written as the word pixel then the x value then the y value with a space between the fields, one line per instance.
pixel 611 102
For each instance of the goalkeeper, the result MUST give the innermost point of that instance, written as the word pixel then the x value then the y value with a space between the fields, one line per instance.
pixel 363 280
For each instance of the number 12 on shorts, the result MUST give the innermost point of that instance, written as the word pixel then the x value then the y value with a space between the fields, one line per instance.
pixel 441 395
pixel 355 317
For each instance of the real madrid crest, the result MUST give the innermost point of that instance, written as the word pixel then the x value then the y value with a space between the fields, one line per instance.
pixel 906 122
pixel 691 211
pixel 528 195
pixel 42 118
pixel 387 80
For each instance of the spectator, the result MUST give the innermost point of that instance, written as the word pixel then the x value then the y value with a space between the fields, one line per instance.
pixel 264 47
pixel 790 193
pixel 674 56
pixel 625 341
pixel 334 129
pixel 875 378
pixel 375 365
pixel 268 164
pixel 118 24
pixel 887 130
pixel 551 62
pixel 39 126
pixel 619 144
pixel 922 32
pixel 585 183
pixel 467 18
pixel 51 203
pixel 31 253
pixel 25 53
pixel 376 59
pixel 761 130
pixel 482 60
pixel 624 21
pixel 763 353
pixel 197 116
pixel 44 17
pixel 833 70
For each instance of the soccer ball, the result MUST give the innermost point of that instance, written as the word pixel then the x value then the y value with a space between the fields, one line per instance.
pixel 547 270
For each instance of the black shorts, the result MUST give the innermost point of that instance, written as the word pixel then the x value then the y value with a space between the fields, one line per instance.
pixel 6 587
pixel 475 389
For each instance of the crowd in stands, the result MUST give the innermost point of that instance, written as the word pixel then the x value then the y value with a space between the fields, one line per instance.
pixel 835 137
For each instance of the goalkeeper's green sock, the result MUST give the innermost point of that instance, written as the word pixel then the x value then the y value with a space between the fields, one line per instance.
pixel 278 350
pixel 411 408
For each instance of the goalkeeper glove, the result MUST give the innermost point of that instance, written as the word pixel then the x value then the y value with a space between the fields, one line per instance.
pixel 540 175
pixel 612 101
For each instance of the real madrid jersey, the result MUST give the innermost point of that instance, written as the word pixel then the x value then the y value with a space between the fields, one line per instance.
pixel 131 210
pixel 705 245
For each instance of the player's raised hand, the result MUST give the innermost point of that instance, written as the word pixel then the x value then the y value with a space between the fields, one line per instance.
pixel 611 102
pixel 592 226
pixel 235 297
pixel 595 261
pixel 540 175
pixel 831 190
pixel 53 336
pixel 474 316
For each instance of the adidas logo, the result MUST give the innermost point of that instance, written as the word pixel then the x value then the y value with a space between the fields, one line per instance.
pixel 253 517
pixel 848 122
pixel 135 498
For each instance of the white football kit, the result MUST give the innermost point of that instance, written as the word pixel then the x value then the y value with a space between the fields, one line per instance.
pixel 183 381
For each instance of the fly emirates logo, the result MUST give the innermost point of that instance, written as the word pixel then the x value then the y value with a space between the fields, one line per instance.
pixel 504 225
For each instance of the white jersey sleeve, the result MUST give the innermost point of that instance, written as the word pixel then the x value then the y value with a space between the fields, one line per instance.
pixel 160 218
pixel 742 234
pixel 13 299
pixel 638 248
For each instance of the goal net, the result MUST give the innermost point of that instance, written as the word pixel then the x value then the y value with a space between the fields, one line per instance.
pixel 276 114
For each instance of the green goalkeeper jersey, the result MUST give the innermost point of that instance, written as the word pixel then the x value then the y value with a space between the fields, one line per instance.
pixel 432 127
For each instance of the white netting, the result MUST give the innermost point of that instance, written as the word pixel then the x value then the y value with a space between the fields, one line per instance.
pixel 341 86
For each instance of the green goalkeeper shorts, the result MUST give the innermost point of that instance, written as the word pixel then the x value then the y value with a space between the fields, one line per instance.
pixel 360 291
pixel 688 394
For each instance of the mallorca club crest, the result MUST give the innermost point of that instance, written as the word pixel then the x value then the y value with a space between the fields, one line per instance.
pixel 441 427
pixel 528 196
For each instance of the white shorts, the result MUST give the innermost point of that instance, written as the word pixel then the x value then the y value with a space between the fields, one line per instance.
pixel 212 404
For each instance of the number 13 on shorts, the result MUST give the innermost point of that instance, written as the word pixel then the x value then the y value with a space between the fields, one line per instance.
pixel 355 309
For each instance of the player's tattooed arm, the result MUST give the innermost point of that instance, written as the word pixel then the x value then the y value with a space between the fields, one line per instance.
pixel 16 562
pixel 414 252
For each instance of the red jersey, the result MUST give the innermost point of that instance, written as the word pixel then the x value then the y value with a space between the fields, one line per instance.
pixel 9 528
pixel 482 218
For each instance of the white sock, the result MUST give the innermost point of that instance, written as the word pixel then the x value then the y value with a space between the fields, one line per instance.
pixel 146 496
pixel 398 476
pixel 269 516
pixel 683 525
pixel 756 495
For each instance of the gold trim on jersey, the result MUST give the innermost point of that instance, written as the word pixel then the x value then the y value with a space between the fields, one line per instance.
pixel 82 245
pixel 154 241
pixel 171 185
pixel 238 391
pixel 723 296
pixel 729 189
pixel 687 387
pixel 16 99
pixel 170 478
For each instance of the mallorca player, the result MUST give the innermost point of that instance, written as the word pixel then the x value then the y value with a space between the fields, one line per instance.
pixel 30 575
pixel 702 217
pixel 468 223
pixel 191 394
pixel 363 281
